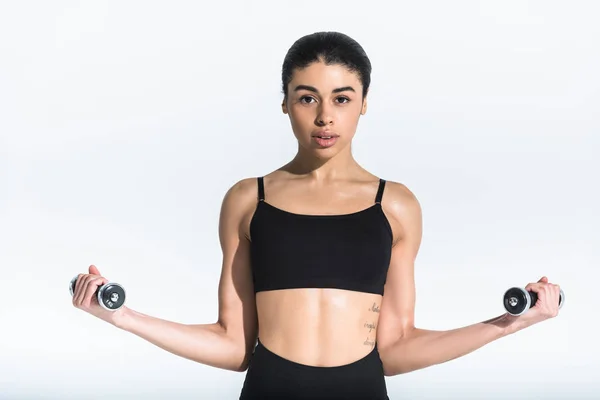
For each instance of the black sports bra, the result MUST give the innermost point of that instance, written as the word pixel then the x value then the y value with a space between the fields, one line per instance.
pixel 343 251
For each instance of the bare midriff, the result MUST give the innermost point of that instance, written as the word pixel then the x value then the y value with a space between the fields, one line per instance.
pixel 318 327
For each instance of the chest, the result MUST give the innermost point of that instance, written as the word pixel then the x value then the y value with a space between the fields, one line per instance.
pixel 349 251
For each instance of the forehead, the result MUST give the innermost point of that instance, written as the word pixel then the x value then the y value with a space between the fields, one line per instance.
pixel 325 77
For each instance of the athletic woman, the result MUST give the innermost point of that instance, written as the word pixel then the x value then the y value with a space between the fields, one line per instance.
pixel 316 296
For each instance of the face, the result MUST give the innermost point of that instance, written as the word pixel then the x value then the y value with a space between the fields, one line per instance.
pixel 324 104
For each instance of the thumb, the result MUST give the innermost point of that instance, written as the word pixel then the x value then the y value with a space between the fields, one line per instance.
pixel 94 270
pixel 543 280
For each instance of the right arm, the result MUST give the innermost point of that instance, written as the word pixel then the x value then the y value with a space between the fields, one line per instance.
pixel 227 343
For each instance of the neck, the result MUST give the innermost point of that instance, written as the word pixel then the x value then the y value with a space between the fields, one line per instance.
pixel 341 166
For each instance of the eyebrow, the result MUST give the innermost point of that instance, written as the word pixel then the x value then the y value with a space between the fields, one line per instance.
pixel 313 89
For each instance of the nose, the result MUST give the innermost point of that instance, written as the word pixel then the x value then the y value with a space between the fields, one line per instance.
pixel 324 117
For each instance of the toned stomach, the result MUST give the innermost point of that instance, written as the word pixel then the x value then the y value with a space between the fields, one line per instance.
pixel 318 327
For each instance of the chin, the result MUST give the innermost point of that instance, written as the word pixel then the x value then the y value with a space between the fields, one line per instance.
pixel 324 154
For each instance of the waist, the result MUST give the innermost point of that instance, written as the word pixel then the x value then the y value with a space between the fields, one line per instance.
pixel 271 376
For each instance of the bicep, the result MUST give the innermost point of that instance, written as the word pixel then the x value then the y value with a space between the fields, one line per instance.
pixel 397 315
pixel 237 308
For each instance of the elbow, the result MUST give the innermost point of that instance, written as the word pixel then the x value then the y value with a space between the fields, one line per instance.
pixel 392 370
pixel 242 358
pixel 237 368
pixel 232 352
pixel 398 370
pixel 243 363
pixel 241 368
pixel 241 343
pixel 238 360
pixel 246 356
pixel 405 364
pixel 235 362
pixel 399 367
pixel 394 354
pixel 390 364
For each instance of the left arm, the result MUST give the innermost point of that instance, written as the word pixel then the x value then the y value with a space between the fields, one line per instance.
pixel 403 347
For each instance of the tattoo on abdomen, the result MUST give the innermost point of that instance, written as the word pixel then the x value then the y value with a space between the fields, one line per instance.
pixel 374 308
pixel 370 325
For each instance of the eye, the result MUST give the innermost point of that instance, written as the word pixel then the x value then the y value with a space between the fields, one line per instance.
pixel 343 98
pixel 305 99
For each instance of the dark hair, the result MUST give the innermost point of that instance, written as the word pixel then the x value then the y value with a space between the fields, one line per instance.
pixel 330 48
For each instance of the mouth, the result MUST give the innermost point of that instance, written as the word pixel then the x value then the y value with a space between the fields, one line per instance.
pixel 326 136
pixel 325 139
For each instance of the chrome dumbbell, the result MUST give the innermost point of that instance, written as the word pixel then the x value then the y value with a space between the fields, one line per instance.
pixel 518 300
pixel 111 296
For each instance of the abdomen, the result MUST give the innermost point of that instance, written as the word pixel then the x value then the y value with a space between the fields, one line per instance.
pixel 318 327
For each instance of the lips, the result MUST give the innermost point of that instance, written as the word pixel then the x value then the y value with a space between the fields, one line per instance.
pixel 325 140
pixel 326 135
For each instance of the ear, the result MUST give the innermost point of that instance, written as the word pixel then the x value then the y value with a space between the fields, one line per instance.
pixel 363 111
pixel 284 106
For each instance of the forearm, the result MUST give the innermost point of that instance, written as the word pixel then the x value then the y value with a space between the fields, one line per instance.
pixel 206 344
pixel 423 348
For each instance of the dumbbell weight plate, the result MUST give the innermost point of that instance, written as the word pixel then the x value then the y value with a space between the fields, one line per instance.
pixel 111 296
pixel 516 301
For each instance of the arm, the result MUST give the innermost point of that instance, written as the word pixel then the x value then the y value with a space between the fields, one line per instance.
pixel 405 348
pixel 228 342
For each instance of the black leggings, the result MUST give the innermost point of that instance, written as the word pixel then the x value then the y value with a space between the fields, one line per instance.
pixel 270 376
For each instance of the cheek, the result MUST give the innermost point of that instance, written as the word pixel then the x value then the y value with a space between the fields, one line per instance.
pixel 300 127
pixel 348 119
pixel 302 118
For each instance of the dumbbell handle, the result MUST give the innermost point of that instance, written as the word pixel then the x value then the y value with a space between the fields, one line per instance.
pixel 534 297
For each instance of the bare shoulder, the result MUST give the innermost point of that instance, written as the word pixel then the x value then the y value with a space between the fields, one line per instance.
pixel 242 191
pixel 239 203
pixel 403 210
pixel 398 197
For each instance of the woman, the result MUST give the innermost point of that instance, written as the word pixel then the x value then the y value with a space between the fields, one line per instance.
pixel 320 255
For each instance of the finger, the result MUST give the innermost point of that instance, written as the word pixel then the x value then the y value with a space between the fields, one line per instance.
pixel 534 287
pixel 84 288
pixel 94 270
pixel 543 279
pixel 79 288
pixel 556 292
pixel 551 298
pixel 85 280
pixel 88 293
pixel 547 293
pixel 76 289
pixel 543 291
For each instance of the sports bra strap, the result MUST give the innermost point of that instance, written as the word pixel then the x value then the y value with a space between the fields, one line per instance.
pixel 261 189
pixel 380 191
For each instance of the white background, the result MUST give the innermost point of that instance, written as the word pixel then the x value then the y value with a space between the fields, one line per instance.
pixel 123 124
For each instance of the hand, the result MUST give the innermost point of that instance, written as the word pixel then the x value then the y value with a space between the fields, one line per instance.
pixel 84 296
pixel 546 306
